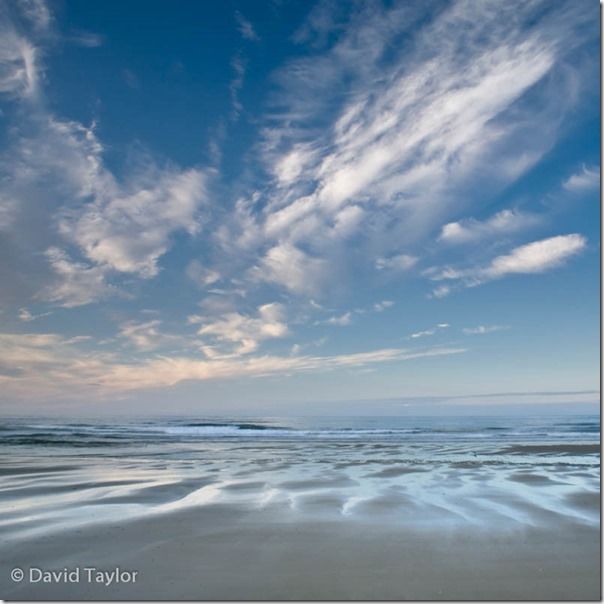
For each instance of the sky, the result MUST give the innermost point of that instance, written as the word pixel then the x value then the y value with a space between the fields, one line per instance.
pixel 280 206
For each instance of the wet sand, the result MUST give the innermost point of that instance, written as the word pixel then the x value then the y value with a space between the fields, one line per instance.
pixel 305 521
pixel 221 552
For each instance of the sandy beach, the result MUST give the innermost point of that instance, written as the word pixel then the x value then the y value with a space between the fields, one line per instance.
pixel 227 552
pixel 307 519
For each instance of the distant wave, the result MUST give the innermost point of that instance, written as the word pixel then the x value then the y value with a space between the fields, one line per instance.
pixel 232 425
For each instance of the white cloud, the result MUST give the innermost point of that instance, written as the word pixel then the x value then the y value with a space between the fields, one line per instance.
pixel 483 329
pixel 246 29
pixel 87 39
pixel 536 257
pixel 8 210
pixel 54 169
pixel 289 167
pixel 201 275
pixel 167 372
pixel 289 266
pixel 400 262
pixel 130 79
pixel 422 334
pixel 36 11
pixel 342 320
pixel 429 332
pixel 239 67
pixel 145 336
pixel 123 228
pixel 47 365
pixel 442 291
pixel 406 141
pixel 27 316
pixel 383 305
pixel 368 152
pixel 77 284
pixel 129 229
pixel 472 230
pixel 20 25
pixel 18 69
pixel 18 350
pixel 245 331
pixel 586 179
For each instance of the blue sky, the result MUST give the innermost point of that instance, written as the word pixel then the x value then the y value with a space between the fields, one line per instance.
pixel 221 207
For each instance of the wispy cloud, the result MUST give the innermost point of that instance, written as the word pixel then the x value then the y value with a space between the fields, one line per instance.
pixel 244 331
pixel 292 268
pixel 483 329
pixel 442 291
pixel 383 305
pixel 109 230
pixel 26 316
pixel 429 332
pixel 146 336
pixel 370 151
pixel 47 365
pixel 131 79
pixel 245 27
pixel 400 262
pixel 536 257
pixel 116 227
pixel 471 230
pixel 37 12
pixel 586 179
pixel 90 226
pixel 238 67
pixel 18 65
pixel 77 283
pixel 201 275
pixel 341 320
pixel 87 39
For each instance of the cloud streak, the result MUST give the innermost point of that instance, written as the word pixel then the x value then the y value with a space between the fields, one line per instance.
pixel 532 258
pixel 471 230
pixel 48 365
pixel 483 329
pixel 245 27
pixel 586 179
pixel 428 332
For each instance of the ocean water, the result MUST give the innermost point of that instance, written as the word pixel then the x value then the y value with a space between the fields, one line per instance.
pixel 91 433
pixel 429 472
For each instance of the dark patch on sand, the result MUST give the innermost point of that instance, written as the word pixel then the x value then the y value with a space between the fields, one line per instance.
pixel 244 486
pixel 318 483
pixel 396 471
pixel 65 488
pixel 585 501
pixel 328 502
pixel 533 479
pixel 15 471
pixel 382 504
pixel 565 449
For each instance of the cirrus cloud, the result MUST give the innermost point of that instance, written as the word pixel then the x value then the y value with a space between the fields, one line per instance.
pixel 531 258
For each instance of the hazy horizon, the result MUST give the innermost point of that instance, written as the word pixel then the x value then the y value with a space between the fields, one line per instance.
pixel 501 404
